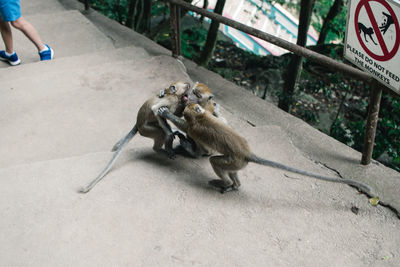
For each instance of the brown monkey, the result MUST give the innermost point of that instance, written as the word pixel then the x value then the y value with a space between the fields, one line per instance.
pixel 202 95
pixel 208 131
pixel 149 124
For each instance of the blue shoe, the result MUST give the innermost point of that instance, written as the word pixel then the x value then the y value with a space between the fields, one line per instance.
pixel 13 59
pixel 46 54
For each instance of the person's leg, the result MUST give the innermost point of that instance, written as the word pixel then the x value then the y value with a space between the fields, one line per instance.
pixel 30 32
pixel 6 34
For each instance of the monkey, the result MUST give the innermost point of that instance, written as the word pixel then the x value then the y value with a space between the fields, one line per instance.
pixel 208 131
pixel 202 95
pixel 149 124
pixel 367 31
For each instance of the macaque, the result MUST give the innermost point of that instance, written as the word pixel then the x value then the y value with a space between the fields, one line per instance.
pixel 149 124
pixel 208 131
pixel 202 95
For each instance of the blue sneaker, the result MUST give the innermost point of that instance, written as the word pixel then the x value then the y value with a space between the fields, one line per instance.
pixel 13 59
pixel 46 54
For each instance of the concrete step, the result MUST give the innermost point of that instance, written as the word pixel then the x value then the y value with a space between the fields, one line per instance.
pixel 35 7
pixel 121 35
pixel 75 112
pixel 160 212
pixel 59 65
pixel 69 33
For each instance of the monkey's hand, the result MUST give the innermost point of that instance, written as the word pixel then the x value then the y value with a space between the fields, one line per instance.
pixel 180 135
pixel 163 112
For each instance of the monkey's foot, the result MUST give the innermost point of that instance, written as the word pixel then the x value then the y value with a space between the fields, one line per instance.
pixel 180 150
pixel 222 186
pixel 170 153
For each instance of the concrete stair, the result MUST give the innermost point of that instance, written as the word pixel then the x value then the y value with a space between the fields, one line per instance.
pixel 59 120
pixel 67 32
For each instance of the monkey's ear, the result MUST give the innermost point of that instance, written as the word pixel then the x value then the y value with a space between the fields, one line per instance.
pixel 195 85
pixel 211 97
pixel 187 86
pixel 172 89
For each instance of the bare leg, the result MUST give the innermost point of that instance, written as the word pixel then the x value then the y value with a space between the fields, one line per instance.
pixel 6 34
pixel 29 31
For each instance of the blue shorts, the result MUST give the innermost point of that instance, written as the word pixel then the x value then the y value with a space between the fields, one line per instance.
pixel 10 10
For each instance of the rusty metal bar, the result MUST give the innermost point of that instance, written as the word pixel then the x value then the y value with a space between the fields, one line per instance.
pixel 298 50
pixel 87 4
pixel 175 30
pixel 372 122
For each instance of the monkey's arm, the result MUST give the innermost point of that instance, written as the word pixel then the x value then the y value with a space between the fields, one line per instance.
pixel 167 114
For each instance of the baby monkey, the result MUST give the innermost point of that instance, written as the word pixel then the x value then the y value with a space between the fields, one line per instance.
pixel 149 124
pixel 208 131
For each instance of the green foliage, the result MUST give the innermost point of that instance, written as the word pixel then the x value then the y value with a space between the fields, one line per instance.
pixel 388 133
pixel 338 25
pixel 387 141
pixel 109 8
pixel 159 8
pixel 193 40
pixel 350 133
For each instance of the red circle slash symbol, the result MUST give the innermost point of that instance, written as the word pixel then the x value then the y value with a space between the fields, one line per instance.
pixel 386 53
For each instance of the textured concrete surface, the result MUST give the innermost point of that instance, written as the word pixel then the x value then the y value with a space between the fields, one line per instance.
pixel 59 119
pixel 67 32
pixel 151 211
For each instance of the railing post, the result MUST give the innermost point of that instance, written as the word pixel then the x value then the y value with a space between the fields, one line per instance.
pixel 175 30
pixel 87 5
pixel 372 122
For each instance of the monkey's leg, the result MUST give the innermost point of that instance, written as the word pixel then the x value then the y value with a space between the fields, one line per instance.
pixel 221 165
pixel 155 132
pixel 169 137
pixel 235 178
pixel 373 39
pixel 187 146
pixel 365 37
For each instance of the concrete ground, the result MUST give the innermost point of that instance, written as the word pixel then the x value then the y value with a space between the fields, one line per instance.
pixel 59 120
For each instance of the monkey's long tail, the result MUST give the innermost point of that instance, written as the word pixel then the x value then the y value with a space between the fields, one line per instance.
pixel 117 148
pixel 256 159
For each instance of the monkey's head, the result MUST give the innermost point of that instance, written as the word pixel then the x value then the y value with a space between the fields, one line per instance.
pixel 178 88
pixel 192 112
pixel 200 94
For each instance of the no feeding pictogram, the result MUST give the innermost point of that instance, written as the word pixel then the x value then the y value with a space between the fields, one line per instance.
pixel 365 33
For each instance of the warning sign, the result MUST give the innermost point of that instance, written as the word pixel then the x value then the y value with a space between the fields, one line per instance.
pixel 373 39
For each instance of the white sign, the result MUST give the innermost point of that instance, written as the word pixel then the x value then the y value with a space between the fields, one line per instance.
pixel 373 39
